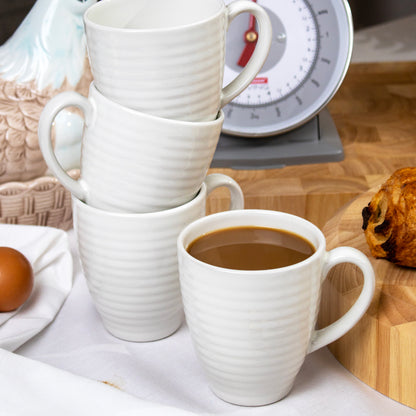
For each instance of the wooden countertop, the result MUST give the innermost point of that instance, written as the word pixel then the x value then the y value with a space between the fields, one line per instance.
pixel 375 114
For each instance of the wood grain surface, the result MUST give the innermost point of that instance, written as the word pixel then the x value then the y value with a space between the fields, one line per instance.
pixel 381 349
pixel 375 114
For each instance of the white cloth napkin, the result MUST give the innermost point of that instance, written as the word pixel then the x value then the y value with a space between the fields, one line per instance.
pixel 61 372
pixel 35 389
pixel 49 253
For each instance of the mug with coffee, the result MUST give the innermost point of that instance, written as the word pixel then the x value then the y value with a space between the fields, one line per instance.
pixel 251 284
pixel 251 248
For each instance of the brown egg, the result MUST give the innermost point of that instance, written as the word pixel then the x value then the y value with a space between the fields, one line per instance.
pixel 16 279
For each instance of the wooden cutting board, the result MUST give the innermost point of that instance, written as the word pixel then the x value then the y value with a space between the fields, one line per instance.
pixel 381 349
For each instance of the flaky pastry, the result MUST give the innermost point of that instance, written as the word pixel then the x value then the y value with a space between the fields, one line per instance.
pixel 389 220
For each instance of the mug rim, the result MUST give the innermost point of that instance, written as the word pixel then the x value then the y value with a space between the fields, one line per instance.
pixel 105 28
pixel 94 91
pixel 320 248
pixel 142 215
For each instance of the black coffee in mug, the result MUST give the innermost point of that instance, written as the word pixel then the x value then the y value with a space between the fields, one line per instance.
pixel 251 248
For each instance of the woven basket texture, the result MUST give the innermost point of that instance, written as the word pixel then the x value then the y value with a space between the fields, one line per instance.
pixel 42 201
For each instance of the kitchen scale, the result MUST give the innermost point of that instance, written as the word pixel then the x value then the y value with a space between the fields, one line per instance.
pixel 281 119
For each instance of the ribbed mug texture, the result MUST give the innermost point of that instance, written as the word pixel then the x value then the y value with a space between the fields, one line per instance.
pixel 130 265
pixel 134 162
pixel 251 330
pixel 130 262
pixel 162 74
pixel 131 161
pixel 168 58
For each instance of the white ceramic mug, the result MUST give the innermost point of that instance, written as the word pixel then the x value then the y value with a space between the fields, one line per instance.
pixel 167 57
pixel 132 161
pixel 253 329
pixel 130 262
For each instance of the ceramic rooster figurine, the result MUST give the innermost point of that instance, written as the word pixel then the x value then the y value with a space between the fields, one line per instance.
pixel 45 55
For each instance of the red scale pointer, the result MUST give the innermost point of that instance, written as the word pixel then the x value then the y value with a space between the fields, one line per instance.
pixel 250 39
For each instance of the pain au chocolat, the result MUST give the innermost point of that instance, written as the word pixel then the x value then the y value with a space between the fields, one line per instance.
pixel 389 220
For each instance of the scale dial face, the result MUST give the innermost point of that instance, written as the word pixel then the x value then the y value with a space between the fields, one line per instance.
pixel 309 57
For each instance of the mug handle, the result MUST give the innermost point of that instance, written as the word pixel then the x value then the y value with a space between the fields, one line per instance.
pixel 332 332
pixel 259 56
pixel 216 180
pixel 50 111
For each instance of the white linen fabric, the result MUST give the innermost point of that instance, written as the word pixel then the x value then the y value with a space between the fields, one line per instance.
pixel 48 251
pixel 35 389
pixel 75 367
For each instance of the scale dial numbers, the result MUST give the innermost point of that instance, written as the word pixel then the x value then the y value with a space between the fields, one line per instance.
pixel 310 54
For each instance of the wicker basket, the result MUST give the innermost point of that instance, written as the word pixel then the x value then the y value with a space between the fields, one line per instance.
pixel 26 195
pixel 41 201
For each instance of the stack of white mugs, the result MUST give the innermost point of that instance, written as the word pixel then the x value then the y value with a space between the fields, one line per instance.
pixel 153 120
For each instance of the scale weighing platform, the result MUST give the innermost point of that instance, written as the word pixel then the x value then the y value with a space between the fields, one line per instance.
pixel 317 141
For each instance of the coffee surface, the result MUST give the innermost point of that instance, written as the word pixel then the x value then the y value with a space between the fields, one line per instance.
pixel 250 248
